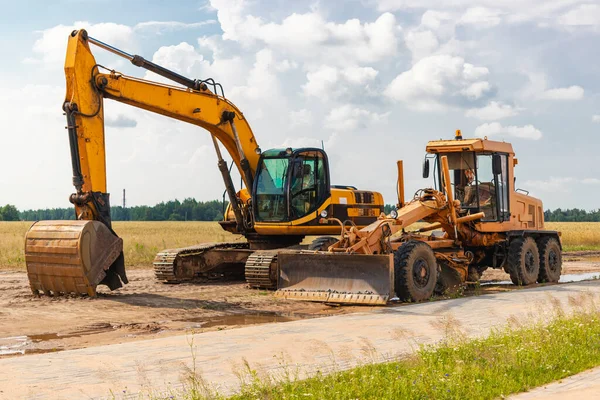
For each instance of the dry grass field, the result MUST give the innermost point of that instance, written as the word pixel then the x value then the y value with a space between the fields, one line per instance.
pixel 144 239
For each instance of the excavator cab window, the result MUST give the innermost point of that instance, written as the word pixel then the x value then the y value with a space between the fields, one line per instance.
pixel 308 183
pixel 270 198
pixel 290 184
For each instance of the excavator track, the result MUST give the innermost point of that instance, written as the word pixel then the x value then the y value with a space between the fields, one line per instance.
pixel 196 262
pixel 261 269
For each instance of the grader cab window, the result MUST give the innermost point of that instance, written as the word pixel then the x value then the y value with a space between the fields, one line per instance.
pixel 480 183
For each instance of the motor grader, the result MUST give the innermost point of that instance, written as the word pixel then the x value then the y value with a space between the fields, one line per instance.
pixel 284 190
pixel 475 218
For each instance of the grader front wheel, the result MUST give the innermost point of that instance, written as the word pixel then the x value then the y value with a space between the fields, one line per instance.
pixel 523 261
pixel 416 271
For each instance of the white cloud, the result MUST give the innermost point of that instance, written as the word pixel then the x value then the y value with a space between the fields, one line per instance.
pixel 517 11
pixel 583 15
pixel 596 118
pixel 302 117
pixel 551 185
pixel 476 90
pixel 421 43
pixel 328 82
pixel 495 128
pixel 348 118
pixel 493 111
pixel 591 181
pixel 158 27
pixel 559 184
pixel 567 94
pixel 438 82
pixel 359 75
pixel 309 36
pixel 51 47
pixel 481 17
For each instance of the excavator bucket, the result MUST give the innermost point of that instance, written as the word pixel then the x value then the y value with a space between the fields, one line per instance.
pixel 73 257
pixel 336 277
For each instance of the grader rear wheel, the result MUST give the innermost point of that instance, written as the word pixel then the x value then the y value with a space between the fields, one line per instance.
pixel 416 271
pixel 550 260
pixel 523 264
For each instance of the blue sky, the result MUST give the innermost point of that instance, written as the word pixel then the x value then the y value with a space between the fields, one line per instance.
pixel 373 79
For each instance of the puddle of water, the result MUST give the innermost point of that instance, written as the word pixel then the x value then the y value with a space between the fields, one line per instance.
pixel 245 319
pixel 579 277
pixel 563 279
pixel 20 345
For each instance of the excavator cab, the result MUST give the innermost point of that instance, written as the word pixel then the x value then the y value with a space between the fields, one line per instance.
pixel 290 184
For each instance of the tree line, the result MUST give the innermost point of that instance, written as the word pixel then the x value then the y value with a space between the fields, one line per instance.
pixel 187 210
pixel 192 210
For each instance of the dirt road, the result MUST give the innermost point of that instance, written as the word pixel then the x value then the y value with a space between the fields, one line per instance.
pixel 161 367
pixel 145 309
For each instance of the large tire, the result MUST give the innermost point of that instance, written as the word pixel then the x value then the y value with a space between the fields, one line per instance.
pixel 523 264
pixel 322 243
pixel 415 270
pixel 550 260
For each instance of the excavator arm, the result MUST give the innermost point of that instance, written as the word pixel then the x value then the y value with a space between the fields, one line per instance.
pixel 76 256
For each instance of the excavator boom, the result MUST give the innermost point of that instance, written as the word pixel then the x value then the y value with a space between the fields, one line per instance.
pixel 278 204
pixel 76 256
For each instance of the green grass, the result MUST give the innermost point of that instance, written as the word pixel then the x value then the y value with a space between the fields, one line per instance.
pixel 507 361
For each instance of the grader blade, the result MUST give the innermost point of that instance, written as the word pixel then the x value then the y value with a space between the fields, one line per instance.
pixel 336 278
pixel 73 257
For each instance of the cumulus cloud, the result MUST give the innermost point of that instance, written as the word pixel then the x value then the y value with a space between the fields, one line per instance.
pixel 348 118
pixel 568 94
pixel 50 47
pixel 552 185
pixel 548 12
pixel 496 129
pixel 481 17
pixel 583 15
pixel 302 117
pixel 559 184
pixel 120 121
pixel 330 82
pixel 493 111
pixel 438 82
pixel 159 27
pixel 310 36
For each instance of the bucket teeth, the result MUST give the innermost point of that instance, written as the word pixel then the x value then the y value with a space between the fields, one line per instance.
pixel 69 257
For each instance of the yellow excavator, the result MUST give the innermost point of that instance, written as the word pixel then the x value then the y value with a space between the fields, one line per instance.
pixel 476 220
pixel 285 190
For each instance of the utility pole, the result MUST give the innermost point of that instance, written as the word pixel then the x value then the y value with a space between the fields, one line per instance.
pixel 124 203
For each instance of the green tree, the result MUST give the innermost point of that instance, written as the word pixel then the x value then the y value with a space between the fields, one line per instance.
pixel 9 213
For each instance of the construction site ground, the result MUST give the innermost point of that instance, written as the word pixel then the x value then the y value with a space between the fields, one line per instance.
pixel 162 366
pixel 146 309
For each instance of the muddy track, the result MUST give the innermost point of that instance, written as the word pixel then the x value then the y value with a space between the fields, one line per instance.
pixel 146 309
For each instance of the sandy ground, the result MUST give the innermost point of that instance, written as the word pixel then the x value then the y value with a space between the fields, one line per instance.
pixel 145 309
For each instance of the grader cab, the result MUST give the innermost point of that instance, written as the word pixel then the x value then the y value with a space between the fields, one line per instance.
pixel 476 220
